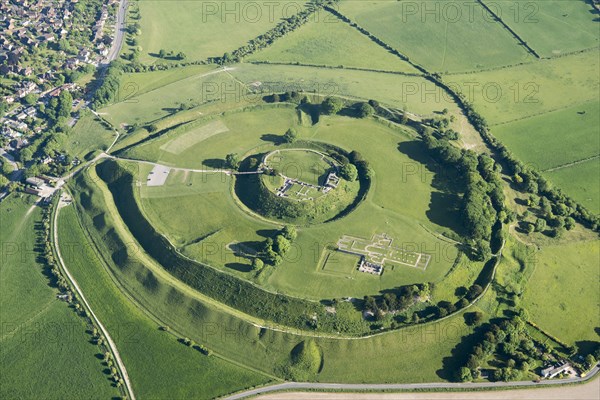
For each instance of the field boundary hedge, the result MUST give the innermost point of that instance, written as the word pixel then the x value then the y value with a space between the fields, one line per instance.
pixel 509 29
pixel 323 66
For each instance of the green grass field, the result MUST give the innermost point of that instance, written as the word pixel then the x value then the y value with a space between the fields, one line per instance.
pixel 202 29
pixel 551 28
pixel 152 357
pixel 580 182
pixel 329 41
pixel 555 138
pixel 194 209
pixel 547 114
pixel 464 274
pixel 178 306
pixel 304 165
pixel 45 351
pixel 88 135
pixel 160 99
pixel 439 37
pixel 415 93
pixel 138 83
pixel 238 134
pixel 563 291
pixel 509 94
pixel 158 95
pixel 268 349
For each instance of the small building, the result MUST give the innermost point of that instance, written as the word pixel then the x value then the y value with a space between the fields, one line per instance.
pixel 36 182
pixel 552 371
pixel 35 192
pixel 369 267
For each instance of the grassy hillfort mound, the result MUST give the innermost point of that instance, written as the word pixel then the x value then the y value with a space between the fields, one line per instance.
pixel 301 186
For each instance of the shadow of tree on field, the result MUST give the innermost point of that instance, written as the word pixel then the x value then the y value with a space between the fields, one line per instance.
pixel 587 346
pixel 239 267
pixel 267 233
pixel 247 249
pixel 272 138
pixel 313 110
pixel 445 201
pixel 170 110
pixel 215 163
pixel 443 209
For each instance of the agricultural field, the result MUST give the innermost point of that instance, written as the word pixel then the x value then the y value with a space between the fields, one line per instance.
pixel 547 114
pixel 578 181
pixel 564 285
pixel 154 103
pixel 42 338
pixel 439 36
pixel 328 41
pixel 540 140
pixel 551 28
pixel 564 145
pixel 201 29
pixel 512 93
pixel 135 84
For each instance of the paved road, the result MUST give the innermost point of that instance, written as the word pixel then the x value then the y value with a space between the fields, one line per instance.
pixel 74 284
pixel 407 386
pixel 9 158
pixel 587 391
pixel 120 29
pixel 17 174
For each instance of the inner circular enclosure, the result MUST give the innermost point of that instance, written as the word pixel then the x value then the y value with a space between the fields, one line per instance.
pixel 299 185
pixel 300 174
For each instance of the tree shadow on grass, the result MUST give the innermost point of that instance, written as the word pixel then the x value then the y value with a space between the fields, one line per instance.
pixel 313 110
pixel 443 209
pixel 272 138
pixel 445 201
pixel 267 233
pixel 521 202
pixel 587 346
pixel 239 267
pixel 246 249
pixel 215 163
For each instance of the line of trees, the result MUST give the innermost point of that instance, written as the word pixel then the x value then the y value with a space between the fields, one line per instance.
pixel 108 91
pixel 200 347
pixel 483 202
pixel 400 300
pixel 281 29
pixel 65 290
pixel 527 177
